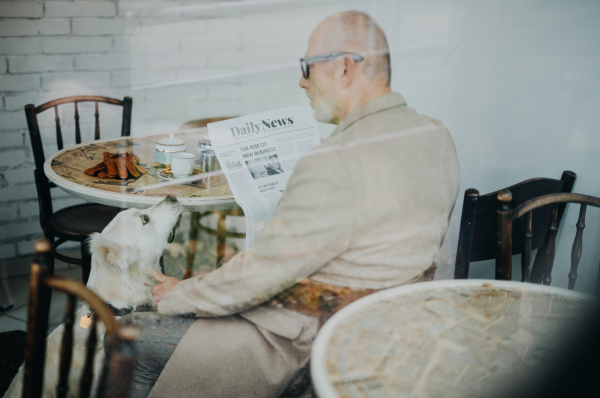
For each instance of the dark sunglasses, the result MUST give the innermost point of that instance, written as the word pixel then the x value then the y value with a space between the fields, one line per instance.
pixel 306 62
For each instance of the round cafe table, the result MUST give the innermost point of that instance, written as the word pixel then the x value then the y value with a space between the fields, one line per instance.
pixel 457 338
pixel 65 169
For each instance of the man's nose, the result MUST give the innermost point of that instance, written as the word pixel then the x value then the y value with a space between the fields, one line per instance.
pixel 303 82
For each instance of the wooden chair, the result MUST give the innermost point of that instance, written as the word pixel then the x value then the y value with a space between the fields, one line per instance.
pixel 119 355
pixel 199 123
pixel 506 218
pixel 221 232
pixel 478 225
pixel 73 223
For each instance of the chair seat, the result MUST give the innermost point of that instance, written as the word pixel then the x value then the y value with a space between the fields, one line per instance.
pixel 77 222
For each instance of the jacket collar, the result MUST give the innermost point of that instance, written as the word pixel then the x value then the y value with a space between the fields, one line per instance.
pixel 377 104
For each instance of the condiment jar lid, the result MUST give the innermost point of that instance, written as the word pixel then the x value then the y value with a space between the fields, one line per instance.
pixel 203 145
pixel 171 143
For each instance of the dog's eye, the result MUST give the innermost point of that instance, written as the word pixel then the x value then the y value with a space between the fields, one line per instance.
pixel 145 219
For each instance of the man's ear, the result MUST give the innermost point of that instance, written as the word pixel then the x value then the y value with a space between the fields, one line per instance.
pixel 349 71
pixel 108 253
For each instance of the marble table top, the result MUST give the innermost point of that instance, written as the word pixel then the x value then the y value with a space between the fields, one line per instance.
pixel 65 168
pixel 443 339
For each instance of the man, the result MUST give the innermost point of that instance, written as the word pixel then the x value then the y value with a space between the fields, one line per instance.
pixel 366 210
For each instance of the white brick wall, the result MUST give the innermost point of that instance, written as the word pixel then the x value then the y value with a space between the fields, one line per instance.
pixel 16 193
pixel 77 45
pixel 20 82
pixel 10 121
pixel 34 27
pixel 22 9
pixel 21 229
pixel 103 26
pixel 21 175
pixel 20 46
pixel 11 139
pixel 8 210
pixel 7 251
pixel 89 80
pixel 53 49
pixel 103 62
pixel 29 208
pixel 64 9
pixel 39 63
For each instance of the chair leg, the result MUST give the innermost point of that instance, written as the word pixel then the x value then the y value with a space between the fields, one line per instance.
pixel 194 219
pixel 45 293
pixel 221 236
pixel 86 259
pixel 50 256
pixel 539 263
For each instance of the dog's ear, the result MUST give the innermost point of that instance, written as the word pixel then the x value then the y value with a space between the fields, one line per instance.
pixel 109 253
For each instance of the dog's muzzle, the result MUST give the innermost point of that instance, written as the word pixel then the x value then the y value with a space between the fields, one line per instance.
pixel 171 237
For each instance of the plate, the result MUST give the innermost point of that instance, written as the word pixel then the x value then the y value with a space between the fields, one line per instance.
pixel 165 174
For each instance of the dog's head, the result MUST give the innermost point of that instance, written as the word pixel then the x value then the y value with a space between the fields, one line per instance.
pixel 126 252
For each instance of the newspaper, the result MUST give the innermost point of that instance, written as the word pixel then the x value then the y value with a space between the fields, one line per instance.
pixel 258 154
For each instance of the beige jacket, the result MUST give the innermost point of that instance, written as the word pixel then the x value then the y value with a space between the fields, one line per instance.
pixel 367 208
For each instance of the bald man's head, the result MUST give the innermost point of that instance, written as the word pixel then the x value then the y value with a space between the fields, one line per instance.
pixel 355 32
pixel 339 85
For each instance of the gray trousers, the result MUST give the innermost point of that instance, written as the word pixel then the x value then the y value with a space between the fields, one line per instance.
pixel 159 336
pixel 227 356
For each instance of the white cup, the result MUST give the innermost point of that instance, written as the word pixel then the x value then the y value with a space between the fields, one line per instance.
pixel 182 164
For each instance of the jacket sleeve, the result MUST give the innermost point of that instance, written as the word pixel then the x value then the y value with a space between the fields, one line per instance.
pixel 313 224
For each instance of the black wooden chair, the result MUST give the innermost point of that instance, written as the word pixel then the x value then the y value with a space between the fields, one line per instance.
pixel 478 224
pixel 506 237
pixel 119 355
pixel 73 223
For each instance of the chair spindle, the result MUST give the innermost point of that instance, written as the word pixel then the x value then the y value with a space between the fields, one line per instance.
pixel 552 229
pixel 221 236
pixel 537 270
pixel 577 246
pixel 88 370
pixel 504 253
pixel 37 323
pixel 465 238
pixel 77 129
pixel 66 350
pixel 526 256
pixel 59 140
pixel 97 115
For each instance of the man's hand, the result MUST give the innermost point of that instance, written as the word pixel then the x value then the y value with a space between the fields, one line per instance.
pixel 166 284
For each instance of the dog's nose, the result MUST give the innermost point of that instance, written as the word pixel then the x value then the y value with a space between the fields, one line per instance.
pixel 171 198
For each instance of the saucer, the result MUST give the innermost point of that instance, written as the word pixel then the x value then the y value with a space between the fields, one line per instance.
pixel 166 174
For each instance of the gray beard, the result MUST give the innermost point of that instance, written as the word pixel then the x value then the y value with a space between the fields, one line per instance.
pixel 324 112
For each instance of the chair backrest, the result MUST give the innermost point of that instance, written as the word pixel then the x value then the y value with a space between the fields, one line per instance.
pixel 43 185
pixel 119 357
pixel 196 124
pixel 506 218
pixel 478 225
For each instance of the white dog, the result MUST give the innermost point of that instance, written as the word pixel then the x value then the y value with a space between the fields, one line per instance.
pixel 123 258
